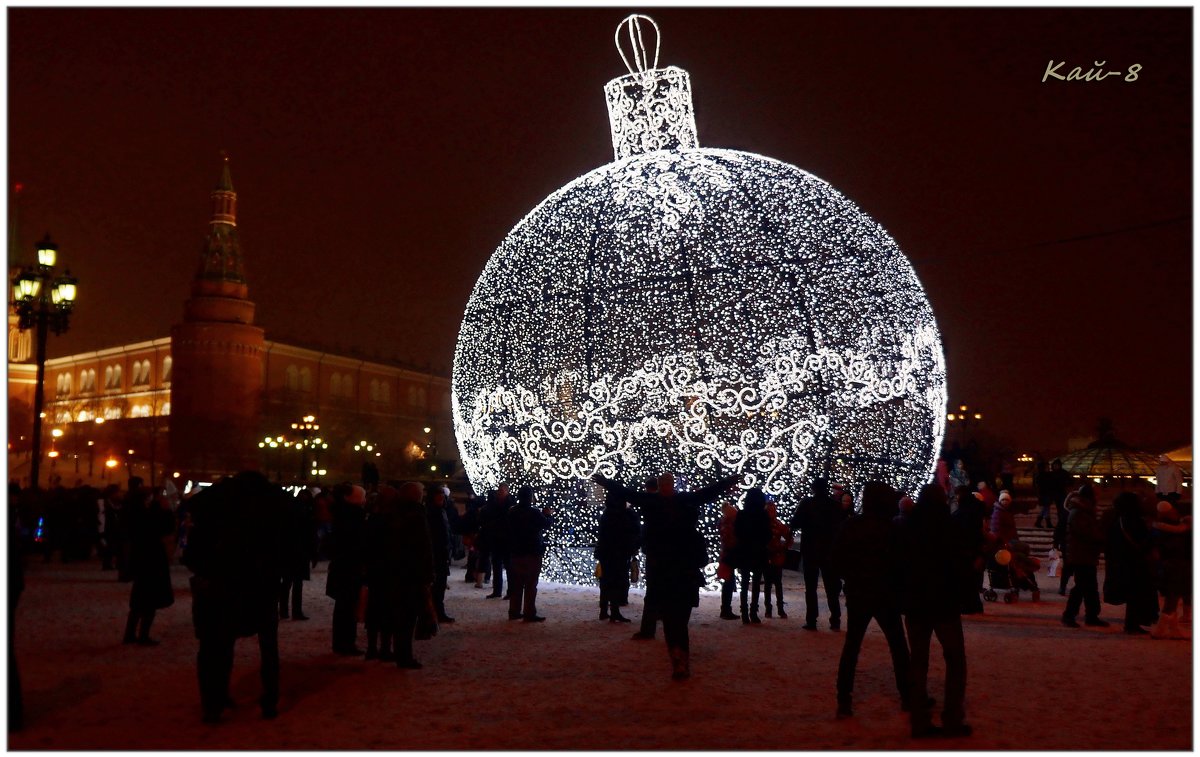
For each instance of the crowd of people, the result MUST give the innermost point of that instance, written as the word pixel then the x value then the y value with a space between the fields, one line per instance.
pixel 913 566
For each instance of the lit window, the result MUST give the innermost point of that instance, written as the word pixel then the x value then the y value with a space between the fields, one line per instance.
pixel 166 369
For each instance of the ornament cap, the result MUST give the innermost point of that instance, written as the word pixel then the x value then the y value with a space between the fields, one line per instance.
pixel 649 108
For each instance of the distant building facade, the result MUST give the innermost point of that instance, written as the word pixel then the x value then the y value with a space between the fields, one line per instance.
pixel 217 396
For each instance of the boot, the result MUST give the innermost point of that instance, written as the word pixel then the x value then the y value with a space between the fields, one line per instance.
pixel 144 631
pixel 385 647
pixel 754 615
pixel 604 609
pixel 680 669
pixel 768 610
pixel 617 617
pixel 844 709
pixel 372 644
pixel 130 629
pixel 1174 630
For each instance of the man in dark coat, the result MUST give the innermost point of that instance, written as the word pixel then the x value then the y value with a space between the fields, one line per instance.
pixel 816 518
pixel 932 565
pixel 752 527
pixel 493 537
pixel 150 522
pixel 400 568
pixel 1085 542
pixel 300 557
pixel 1128 575
pixel 237 549
pixel 347 568
pixel 675 556
pixel 1055 486
pixel 525 550
pixel 616 543
pixel 863 555
pixel 650 616
pixel 439 534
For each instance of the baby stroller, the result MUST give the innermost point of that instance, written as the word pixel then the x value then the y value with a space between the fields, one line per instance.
pixel 1011 570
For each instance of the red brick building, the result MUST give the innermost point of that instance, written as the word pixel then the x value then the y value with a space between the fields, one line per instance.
pixel 215 395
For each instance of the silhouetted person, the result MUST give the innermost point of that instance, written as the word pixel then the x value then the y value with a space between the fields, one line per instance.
pixel 727 559
pixel 526 546
pixel 933 568
pixel 752 527
pixel 816 518
pixel 864 555
pixel 1057 486
pixel 675 556
pixel 617 542
pixel 237 551
pixel 400 571
pixel 149 566
pixel 976 529
pixel 777 548
pixel 439 535
pixel 300 555
pixel 347 568
pixel 493 537
pixel 649 613
pixel 16 585
pixel 1128 573
pixel 1085 542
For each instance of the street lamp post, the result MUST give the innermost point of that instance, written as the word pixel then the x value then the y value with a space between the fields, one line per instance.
pixel 43 302
pixel 962 418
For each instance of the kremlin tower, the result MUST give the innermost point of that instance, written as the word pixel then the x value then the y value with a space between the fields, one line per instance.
pixel 217 381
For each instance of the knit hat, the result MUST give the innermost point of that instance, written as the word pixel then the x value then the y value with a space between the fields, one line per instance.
pixel 1005 496
pixel 357 495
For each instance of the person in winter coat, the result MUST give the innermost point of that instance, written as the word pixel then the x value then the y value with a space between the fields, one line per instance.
pixel 989 496
pixel 1057 487
pixel 1173 538
pixel 753 529
pixel 976 530
pixel 347 569
pixel 300 555
pixel 864 555
pixel 400 572
pixel 493 537
pixel 728 558
pixel 933 567
pixel 1085 542
pixel 616 544
pixel 1003 525
pixel 816 518
pixel 1128 575
pixel 439 533
pixel 237 551
pixel 1059 542
pixel 1168 478
pixel 150 524
pixel 526 546
pixel 675 556
pixel 781 540
pixel 650 616
pixel 468 527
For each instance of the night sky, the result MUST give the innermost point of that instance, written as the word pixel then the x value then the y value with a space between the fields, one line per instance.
pixel 381 155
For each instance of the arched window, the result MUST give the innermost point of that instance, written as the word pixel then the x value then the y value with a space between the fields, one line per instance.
pixel 166 369
pixel 108 377
pixel 116 377
pixel 373 392
pixel 335 385
pixel 305 380
pixel 291 380
pixel 412 396
pixel 385 393
pixel 166 408
pixel 348 386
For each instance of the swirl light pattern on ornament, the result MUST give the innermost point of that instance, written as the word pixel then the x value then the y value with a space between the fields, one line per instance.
pixel 700 311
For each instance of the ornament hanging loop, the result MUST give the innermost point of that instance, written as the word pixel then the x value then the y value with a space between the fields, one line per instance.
pixel 632 26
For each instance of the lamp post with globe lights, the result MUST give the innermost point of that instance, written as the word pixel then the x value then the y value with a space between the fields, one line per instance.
pixel 43 301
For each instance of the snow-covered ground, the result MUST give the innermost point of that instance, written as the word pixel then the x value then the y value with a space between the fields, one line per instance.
pixel 574 682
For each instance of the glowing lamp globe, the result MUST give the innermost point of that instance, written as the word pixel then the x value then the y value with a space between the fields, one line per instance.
pixel 698 311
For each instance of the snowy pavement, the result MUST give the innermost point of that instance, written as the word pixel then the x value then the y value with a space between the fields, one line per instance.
pixel 575 682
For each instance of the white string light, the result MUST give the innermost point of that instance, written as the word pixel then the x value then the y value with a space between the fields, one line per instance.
pixel 695 310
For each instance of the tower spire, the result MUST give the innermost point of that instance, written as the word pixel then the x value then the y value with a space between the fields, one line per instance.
pixel 221 262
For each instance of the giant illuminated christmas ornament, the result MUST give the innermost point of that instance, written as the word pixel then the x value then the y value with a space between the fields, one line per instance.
pixel 694 310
